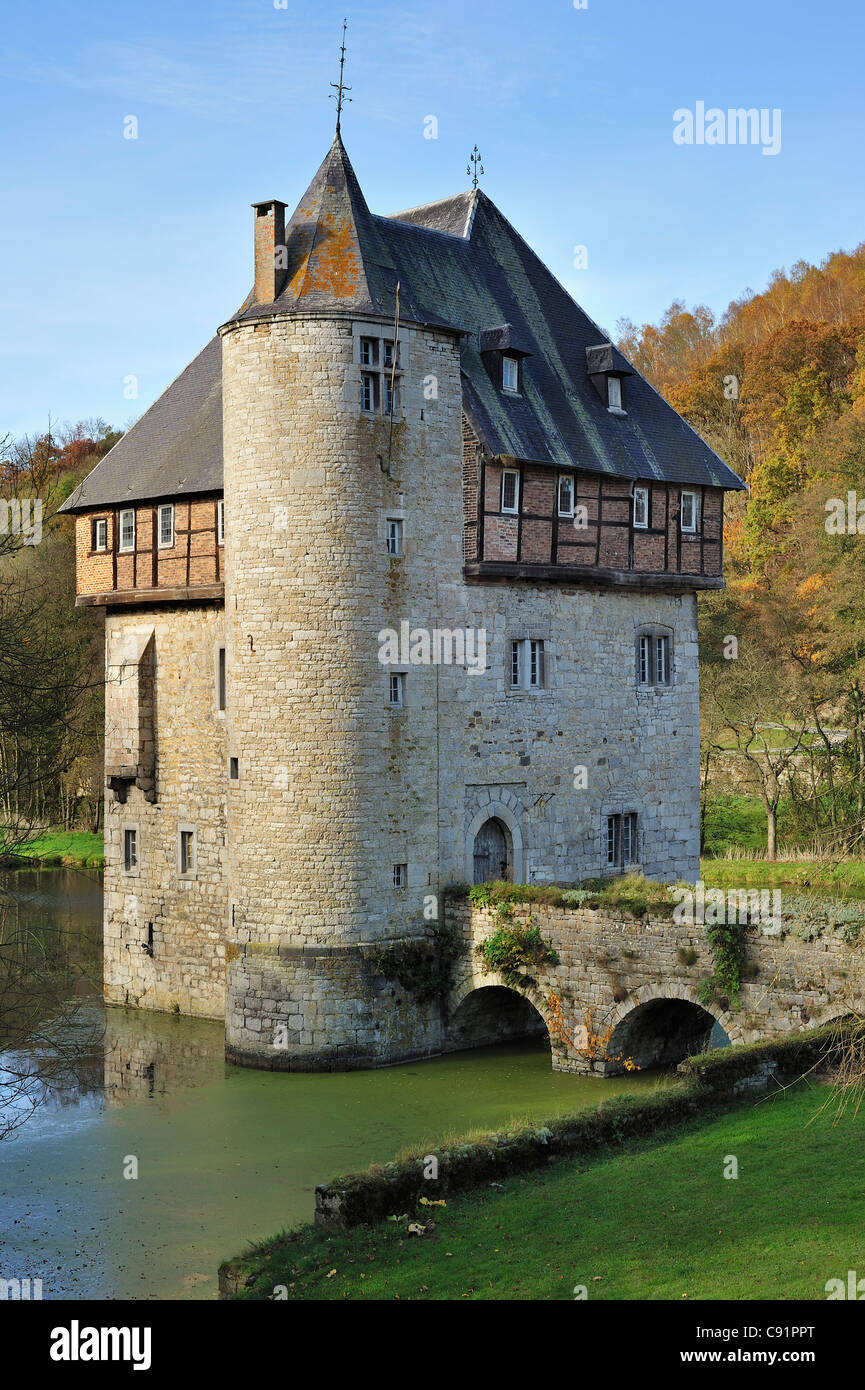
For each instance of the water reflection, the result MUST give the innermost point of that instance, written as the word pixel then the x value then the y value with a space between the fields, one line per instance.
pixel 225 1155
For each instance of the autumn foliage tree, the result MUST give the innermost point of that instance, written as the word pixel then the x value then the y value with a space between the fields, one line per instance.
pixel 777 387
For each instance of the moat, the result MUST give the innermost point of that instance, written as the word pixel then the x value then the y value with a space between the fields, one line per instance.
pixel 225 1155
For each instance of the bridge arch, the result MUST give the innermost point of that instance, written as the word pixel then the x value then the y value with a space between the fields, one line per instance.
pixel 482 1015
pixel 658 1026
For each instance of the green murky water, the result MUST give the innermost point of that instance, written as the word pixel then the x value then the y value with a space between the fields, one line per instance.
pixel 224 1155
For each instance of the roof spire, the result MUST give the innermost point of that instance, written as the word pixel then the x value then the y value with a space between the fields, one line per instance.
pixel 340 86
pixel 474 166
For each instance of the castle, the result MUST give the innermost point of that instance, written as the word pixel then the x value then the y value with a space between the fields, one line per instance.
pixel 400 582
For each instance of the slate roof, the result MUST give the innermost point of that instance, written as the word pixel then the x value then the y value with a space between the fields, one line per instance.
pixel 460 264
pixel 174 449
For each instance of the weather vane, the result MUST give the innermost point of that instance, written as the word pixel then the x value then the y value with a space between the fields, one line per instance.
pixel 340 86
pixel 478 169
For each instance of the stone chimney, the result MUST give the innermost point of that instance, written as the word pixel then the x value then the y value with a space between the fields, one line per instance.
pixel 270 253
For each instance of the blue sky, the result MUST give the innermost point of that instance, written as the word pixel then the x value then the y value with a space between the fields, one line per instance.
pixel 120 257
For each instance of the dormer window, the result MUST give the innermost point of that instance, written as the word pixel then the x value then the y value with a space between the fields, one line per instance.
pixel 607 370
pixel 502 350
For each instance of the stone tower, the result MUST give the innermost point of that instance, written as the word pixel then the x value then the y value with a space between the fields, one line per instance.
pixel 322 779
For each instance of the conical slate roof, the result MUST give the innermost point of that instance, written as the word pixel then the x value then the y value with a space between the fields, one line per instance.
pixel 332 247
pixel 459 264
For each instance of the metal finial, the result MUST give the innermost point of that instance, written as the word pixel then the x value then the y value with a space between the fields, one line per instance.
pixel 474 168
pixel 340 86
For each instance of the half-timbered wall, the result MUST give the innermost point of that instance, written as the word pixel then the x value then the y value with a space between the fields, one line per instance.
pixel 194 562
pixel 601 536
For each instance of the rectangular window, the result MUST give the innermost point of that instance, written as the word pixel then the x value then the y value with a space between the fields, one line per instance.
pixel 400 875
pixel 622 840
pixel 645 660
pixel 566 494
pixel 166 527
pixel 369 392
pixel 220 522
pixel 653 659
pixel 220 679
pixel 127 529
pixel 100 534
pixel 130 850
pixel 186 852
pixel 397 689
pixel 688 512
pixel 629 838
pixel 662 660
pixel 234 769
pixel 510 491
pixel 516 664
pixel 394 536
pixel 641 507
pixel 391 397
pixel 510 374
pixel 613 828
pixel 388 356
pixel 536 665
pixel 369 352
pixel 527 664
pixel 614 393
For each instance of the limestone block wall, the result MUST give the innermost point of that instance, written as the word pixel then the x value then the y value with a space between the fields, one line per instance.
pixel 613 969
pixel 335 787
pixel 164 935
pixel 553 765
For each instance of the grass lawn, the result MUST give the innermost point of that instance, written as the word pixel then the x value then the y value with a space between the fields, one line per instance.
pixel 77 848
pixel 657 1221
pixel 809 875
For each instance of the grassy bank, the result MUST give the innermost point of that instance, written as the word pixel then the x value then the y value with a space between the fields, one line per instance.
pixel 58 848
pixel 656 1221
pixel 810 876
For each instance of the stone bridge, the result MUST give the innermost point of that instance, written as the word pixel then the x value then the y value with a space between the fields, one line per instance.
pixel 633 984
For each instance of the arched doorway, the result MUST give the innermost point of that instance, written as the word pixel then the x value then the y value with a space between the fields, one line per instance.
pixel 493 852
pixel 493 1014
pixel 662 1032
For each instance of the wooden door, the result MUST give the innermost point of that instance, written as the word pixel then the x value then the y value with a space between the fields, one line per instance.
pixel 491 853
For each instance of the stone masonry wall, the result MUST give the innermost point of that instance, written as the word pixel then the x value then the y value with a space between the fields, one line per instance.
pixel 335 787
pixel 614 969
pixel 183 918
